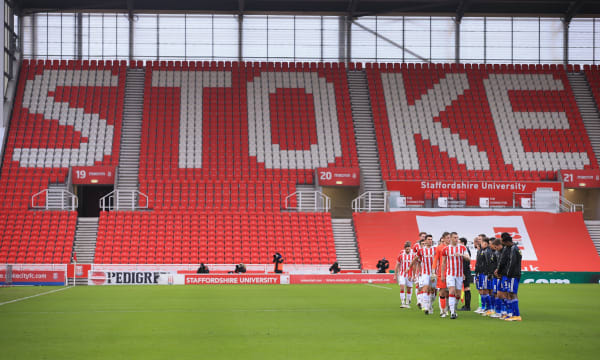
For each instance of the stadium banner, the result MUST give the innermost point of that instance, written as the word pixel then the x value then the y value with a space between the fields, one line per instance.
pixel 237 279
pixel 104 277
pixel 343 279
pixel 338 176
pixel 549 242
pixel 580 178
pixel 33 277
pixel 94 175
pixel 499 193
pixel 560 277
pixel 79 271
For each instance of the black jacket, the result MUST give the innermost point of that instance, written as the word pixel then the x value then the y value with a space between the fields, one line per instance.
pixel 503 261
pixel 490 261
pixel 514 262
pixel 480 262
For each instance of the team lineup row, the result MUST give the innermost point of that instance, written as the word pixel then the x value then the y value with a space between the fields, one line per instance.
pixel 445 271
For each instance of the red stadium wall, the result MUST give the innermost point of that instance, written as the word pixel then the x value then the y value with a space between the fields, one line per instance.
pixel 549 242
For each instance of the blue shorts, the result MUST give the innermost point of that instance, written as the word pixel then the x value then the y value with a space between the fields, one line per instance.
pixel 495 283
pixel 489 283
pixel 513 285
pixel 503 286
pixel 481 282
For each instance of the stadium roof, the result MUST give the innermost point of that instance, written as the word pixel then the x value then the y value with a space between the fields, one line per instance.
pixel 357 8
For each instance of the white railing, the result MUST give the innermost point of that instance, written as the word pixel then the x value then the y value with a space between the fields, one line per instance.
pixel 567 206
pixel 371 201
pixel 123 200
pixel 67 200
pixel 523 201
pixel 309 201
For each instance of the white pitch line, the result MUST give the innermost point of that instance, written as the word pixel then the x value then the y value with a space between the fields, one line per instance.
pixel 379 286
pixel 194 311
pixel 36 295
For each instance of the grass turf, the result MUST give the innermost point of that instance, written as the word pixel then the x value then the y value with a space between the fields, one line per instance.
pixel 286 322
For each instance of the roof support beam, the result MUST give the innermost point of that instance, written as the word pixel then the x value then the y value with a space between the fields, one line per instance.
pixel 388 40
pixel 352 6
pixel 460 10
pixel 130 16
pixel 241 7
pixel 573 9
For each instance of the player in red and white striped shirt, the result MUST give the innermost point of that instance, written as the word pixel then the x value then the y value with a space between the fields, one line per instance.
pixel 415 249
pixel 404 273
pixel 452 269
pixel 424 258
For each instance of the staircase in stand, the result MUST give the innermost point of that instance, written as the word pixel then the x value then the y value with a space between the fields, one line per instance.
pixel 345 244
pixel 593 227
pixel 588 108
pixel 366 141
pixel 129 158
pixel 84 244
pixel 85 239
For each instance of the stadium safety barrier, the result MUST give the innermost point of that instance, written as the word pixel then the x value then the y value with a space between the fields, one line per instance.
pixel 124 199
pixel 55 199
pixel 308 201
pixel 371 201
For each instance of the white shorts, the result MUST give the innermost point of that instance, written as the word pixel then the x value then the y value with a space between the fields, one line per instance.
pixel 425 280
pixel 454 281
pixel 403 280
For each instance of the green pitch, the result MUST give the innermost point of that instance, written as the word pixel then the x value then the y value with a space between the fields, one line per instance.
pixel 286 322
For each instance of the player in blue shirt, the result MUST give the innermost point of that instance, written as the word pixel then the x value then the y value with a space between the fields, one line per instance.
pixel 513 275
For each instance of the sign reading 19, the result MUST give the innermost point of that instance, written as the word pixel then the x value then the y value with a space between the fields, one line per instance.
pixel 81 174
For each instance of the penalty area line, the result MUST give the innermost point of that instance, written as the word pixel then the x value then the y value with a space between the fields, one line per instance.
pixel 379 286
pixel 36 295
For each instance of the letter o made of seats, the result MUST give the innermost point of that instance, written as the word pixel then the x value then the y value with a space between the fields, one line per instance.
pixel 328 145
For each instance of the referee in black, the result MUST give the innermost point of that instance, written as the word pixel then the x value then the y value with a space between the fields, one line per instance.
pixel 466 278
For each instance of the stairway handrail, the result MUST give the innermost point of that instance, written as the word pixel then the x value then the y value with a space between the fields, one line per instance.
pixel 322 202
pixel 567 206
pixel 74 200
pixel 364 202
pixel 111 201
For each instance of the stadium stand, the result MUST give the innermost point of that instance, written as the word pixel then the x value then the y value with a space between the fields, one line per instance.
pixel 36 236
pixel 194 159
pixel 192 237
pixel 475 122
pixel 592 73
pixel 223 144
pixel 66 113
